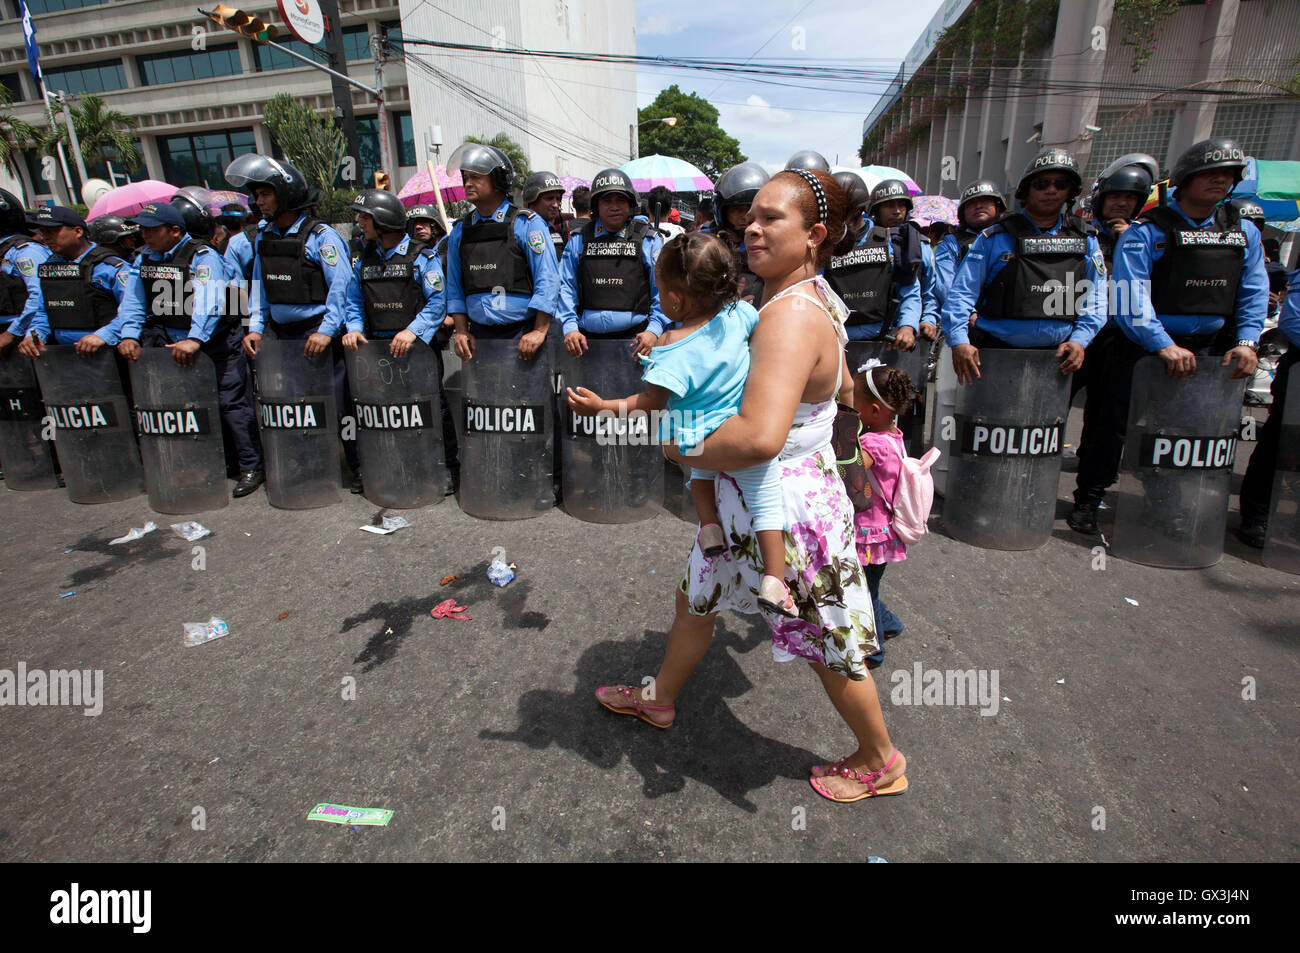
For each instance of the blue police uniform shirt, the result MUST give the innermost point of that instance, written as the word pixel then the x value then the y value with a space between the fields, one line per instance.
pixel 327 249
pixel 1135 257
pixel 429 270
pixel 1289 318
pixel 534 237
pixel 929 286
pixel 105 276
pixel 23 260
pixel 239 256
pixel 204 295
pixel 606 322
pixel 946 255
pixel 909 298
pixel 989 254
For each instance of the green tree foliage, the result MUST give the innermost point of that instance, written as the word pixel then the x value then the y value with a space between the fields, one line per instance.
pixel 311 142
pixel 14 133
pixel 106 135
pixel 513 150
pixel 696 137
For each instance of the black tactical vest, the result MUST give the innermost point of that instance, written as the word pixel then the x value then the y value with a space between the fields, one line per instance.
pixel 1105 241
pixel 287 276
pixel 559 240
pixel 1023 287
pixel 1200 270
pixel 391 288
pixel 166 284
pixel 863 277
pixel 491 257
pixel 907 239
pixel 13 290
pixel 611 274
pixel 250 232
pixel 72 303
pixel 965 238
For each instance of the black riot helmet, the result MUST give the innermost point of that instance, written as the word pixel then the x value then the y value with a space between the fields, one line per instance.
pixel 192 203
pixel 1249 210
pixel 889 190
pixel 855 190
pixel 737 186
pixel 1051 159
pixel 13 217
pixel 1215 153
pixel 424 213
pixel 980 189
pixel 111 229
pixel 810 160
pixel 485 160
pixel 384 207
pixel 1134 173
pixel 539 183
pixel 613 182
pixel 291 192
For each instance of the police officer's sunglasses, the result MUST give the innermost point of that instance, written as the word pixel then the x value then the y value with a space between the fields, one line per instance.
pixel 1043 184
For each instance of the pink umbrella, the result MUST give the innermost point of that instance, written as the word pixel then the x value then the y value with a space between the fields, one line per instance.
pixel 928 209
pixel 419 191
pixel 572 182
pixel 129 199
pixel 220 197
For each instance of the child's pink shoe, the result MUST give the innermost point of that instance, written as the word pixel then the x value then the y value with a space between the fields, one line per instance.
pixel 711 541
pixel 774 595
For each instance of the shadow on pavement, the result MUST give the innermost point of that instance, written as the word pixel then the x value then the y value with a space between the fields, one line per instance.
pixel 707 743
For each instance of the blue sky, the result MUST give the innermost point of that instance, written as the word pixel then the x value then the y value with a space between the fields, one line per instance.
pixel 774 121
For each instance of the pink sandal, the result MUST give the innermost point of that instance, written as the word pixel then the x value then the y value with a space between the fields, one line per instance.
pixel 636 707
pixel 896 786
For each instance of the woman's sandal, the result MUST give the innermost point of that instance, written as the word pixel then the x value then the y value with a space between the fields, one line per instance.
pixel 710 540
pixel 774 596
pixel 636 707
pixel 896 786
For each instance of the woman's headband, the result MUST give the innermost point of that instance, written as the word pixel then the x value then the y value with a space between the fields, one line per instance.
pixel 866 371
pixel 818 192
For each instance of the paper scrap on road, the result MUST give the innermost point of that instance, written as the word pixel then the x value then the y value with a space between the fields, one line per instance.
pixel 1131 602
pixel 135 533
pixel 342 814
pixel 391 524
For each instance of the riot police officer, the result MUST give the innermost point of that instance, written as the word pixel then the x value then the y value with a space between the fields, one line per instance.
pixel 113 233
pixel 300 273
pixel 810 160
pixel 1117 197
pixel 1257 486
pixel 19 259
pixel 81 286
pixel 502 275
pixel 424 225
pixel 1025 276
pixel 1208 293
pixel 398 293
pixel 176 299
pixel 732 197
pixel 979 207
pixel 890 205
pixel 543 192
pixel 868 273
pixel 607 285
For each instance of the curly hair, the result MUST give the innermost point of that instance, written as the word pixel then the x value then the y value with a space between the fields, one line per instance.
pixel 702 266
pixel 893 385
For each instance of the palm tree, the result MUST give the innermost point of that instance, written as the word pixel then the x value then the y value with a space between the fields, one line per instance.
pixel 14 133
pixel 106 135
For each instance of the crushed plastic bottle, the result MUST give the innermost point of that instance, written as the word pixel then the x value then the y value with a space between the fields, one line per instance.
pixel 190 531
pixel 196 633
pixel 135 533
pixel 500 574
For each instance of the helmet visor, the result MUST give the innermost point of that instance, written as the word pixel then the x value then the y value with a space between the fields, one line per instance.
pixel 474 157
pixel 254 169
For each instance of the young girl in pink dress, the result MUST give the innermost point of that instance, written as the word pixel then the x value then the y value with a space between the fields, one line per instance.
pixel 878 392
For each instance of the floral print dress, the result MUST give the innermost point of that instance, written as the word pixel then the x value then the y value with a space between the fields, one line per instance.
pixel 835 625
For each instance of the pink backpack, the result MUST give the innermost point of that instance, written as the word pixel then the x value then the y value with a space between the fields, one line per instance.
pixel 909 511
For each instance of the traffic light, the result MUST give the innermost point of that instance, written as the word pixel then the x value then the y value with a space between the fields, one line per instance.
pixel 245 24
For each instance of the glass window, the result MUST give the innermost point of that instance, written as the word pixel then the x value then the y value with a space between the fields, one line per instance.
pixel 356 43
pixel 268 58
pixel 1147 132
pixel 392 30
pixel 37 7
pixel 1263 130
pixel 368 140
pixel 101 77
pixel 202 159
pixel 14 86
pixel 187 64
pixel 405 139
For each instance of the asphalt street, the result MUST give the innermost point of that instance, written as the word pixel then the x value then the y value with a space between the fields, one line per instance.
pixel 1121 731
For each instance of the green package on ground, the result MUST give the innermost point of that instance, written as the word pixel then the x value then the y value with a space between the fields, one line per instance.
pixel 342 814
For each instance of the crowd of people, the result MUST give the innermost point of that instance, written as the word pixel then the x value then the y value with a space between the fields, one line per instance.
pixel 741 315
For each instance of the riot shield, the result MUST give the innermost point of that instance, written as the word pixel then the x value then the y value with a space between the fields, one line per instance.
pixel 1006 450
pixel 453 388
pixel 179 421
pixel 612 467
pixel 917 364
pixel 84 399
pixel 24 456
pixel 399 424
pixel 1282 544
pixel 1172 505
pixel 299 425
pixel 508 414
pixel 677 493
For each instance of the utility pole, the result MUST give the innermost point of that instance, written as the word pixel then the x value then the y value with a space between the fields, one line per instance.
pixel 339 65
pixel 385 156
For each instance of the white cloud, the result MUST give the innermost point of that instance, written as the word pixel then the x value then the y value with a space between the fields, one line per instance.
pixel 659 25
pixel 758 109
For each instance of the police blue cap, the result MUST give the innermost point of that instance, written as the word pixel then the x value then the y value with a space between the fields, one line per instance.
pixel 54 216
pixel 159 213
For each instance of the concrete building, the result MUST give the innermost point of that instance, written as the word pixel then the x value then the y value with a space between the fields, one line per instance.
pixel 990 83
pixel 196 108
pixel 572 118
